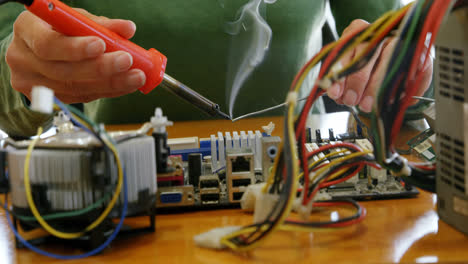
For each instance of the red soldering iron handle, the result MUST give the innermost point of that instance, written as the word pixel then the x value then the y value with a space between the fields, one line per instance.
pixel 68 21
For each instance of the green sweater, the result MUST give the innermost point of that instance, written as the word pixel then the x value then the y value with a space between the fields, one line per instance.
pixel 193 35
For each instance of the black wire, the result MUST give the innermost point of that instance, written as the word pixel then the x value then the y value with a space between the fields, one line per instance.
pixel 357 215
pixel 356 161
pixel 359 64
pixel 460 4
pixel 284 194
pixel 424 179
pixel 360 123
pixel 287 188
pixel 403 71
pixel 301 153
pixel 340 52
pixel 275 188
pixel 396 87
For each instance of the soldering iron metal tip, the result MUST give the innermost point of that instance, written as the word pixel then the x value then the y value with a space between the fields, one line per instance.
pixel 225 116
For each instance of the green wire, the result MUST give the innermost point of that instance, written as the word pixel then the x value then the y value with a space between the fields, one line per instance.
pixel 405 46
pixel 392 73
pixel 66 214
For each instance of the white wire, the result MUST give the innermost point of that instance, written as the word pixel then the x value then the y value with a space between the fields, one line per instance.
pixel 424 98
pixel 265 110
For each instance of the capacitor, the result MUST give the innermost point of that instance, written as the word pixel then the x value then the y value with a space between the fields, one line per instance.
pixel 331 134
pixel 195 168
pixel 318 136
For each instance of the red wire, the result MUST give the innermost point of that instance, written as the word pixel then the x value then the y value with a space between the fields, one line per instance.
pixel 293 84
pixel 308 198
pixel 327 63
pixel 352 222
pixel 330 183
pixel 314 94
pixel 329 146
pixel 423 167
pixel 343 224
pixel 301 72
pixel 439 7
pixel 305 168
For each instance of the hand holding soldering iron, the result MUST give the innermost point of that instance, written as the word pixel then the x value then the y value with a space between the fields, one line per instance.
pixel 76 68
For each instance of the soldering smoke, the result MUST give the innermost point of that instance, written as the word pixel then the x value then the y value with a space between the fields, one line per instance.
pixel 250 42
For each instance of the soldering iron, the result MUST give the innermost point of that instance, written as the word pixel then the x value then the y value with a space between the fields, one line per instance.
pixel 68 21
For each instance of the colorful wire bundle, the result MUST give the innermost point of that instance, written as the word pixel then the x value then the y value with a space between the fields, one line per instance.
pixel 404 75
pixel 412 26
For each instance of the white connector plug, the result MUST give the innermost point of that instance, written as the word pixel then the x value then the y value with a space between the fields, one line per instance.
pixel 250 196
pixel 305 211
pixel 405 171
pixel 264 204
pixel 212 238
pixel 62 123
pixel 268 129
pixel 159 121
pixel 42 99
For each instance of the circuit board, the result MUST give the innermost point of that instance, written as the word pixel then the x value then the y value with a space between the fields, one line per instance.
pixel 217 170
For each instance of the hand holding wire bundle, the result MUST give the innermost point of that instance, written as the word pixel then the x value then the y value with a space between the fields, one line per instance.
pixel 401 75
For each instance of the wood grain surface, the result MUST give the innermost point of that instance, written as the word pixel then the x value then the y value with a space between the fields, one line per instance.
pixel 404 230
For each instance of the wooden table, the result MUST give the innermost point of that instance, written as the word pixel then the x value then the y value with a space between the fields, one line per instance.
pixel 406 231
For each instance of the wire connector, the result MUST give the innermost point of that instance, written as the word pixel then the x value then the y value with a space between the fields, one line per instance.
pixel 250 196
pixel 405 170
pixel 264 204
pixel 62 123
pixel 324 84
pixel 42 99
pixel 305 211
pixel 159 121
pixel 268 129
pixel 212 238
pixel 292 98
pixel 336 68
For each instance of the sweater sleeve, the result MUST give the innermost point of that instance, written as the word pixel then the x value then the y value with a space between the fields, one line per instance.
pixel 16 119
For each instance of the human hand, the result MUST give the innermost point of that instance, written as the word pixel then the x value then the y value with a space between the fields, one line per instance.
pixel 361 87
pixel 76 68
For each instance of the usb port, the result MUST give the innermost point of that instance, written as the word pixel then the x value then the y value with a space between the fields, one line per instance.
pixel 208 198
pixel 237 196
pixel 241 182
pixel 209 184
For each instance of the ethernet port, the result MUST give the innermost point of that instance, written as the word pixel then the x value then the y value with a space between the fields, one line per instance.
pixel 241 164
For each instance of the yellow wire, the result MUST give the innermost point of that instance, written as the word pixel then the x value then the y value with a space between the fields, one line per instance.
pixel 292 195
pixel 389 17
pixel 367 32
pixel 323 158
pixel 337 174
pixel 334 162
pixel 279 224
pixel 38 216
pixel 271 177
pixel 312 65
pixel 296 228
pixel 321 55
